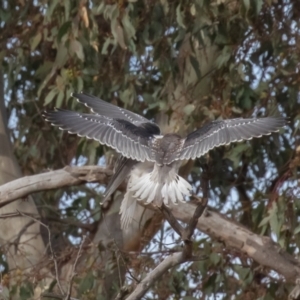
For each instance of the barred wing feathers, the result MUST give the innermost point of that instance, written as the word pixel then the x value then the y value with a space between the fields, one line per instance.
pixel 131 141
pixel 109 110
pixel 224 132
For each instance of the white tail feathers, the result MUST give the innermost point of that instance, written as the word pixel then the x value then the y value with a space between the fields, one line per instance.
pixel 152 184
pixel 160 185
pixel 176 190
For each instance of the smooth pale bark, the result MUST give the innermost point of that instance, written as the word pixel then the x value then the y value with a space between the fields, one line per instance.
pixel 233 234
pixel 23 244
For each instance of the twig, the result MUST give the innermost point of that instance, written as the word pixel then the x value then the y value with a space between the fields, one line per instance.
pixel 201 206
pixel 68 221
pixel 124 291
pixel 56 296
pixel 69 176
pixel 186 233
pixel 51 249
pixel 172 220
pixel 294 294
pixel 73 273
pixel 17 239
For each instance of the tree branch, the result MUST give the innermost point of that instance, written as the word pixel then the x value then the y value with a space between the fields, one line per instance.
pixel 200 207
pixel 169 262
pixel 68 176
pixel 260 248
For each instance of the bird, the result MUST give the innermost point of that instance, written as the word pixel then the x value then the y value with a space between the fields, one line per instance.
pixel 150 160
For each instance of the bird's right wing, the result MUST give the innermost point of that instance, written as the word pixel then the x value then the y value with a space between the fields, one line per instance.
pixel 224 132
pixel 107 109
pixel 131 141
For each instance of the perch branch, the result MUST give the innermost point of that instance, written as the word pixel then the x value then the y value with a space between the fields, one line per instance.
pixel 260 248
pixel 68 176
pixel 169 262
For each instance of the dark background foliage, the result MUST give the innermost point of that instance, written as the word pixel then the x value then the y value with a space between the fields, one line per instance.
pixel 136 54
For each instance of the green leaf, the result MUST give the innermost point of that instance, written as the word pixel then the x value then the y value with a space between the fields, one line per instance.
pixel 86 283
pixel 223 58
pixel 44 69
pixel 4 293
pixel 105 46
pixel 79 81
pixel 297 229
pixel 274 221
pixel 235 153
pixel 26 291
pixel 242 272
pixel 127 96
pixel 90 71
pixel 246 4
pixel 5 15
pixel 196 66
pixel 215 258
pixel 67 6
pixel 76 47
pixel 63 30
pixel 188 109
pixel 50 96
pixel 61 55
pixel 118 33
pixel 60 98
pixel 264 221
pixel 35 41
pixel 179 16
pixel 128 27
pixel 258 5
pixel 51 9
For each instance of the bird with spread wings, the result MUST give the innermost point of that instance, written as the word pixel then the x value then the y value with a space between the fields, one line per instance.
pixel 149 159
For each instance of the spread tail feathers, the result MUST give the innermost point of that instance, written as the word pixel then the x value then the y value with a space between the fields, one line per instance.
pixel 152 188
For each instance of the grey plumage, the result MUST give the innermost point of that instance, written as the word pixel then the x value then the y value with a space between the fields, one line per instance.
pixel 122 168
pixel 149 159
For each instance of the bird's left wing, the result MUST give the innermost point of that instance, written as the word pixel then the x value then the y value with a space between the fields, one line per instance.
pixel 224 132
pixel 131 141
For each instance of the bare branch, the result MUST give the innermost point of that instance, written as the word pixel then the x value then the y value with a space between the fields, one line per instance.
pixel 172 221
pixel 50 246
pixel 260 248
pixel 169 262
pixel 55 296
pixel 201 205
pixel 69 176
pixel 73 273
pixel 124 291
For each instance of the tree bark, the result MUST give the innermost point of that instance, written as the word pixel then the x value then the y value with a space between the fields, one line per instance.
pixel 21 239
pixel 260 248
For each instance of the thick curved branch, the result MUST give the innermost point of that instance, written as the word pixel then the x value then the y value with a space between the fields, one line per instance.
pixel 260 248
pixel 69 176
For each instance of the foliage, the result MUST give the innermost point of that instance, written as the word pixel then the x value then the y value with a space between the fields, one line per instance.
pixel 127 52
